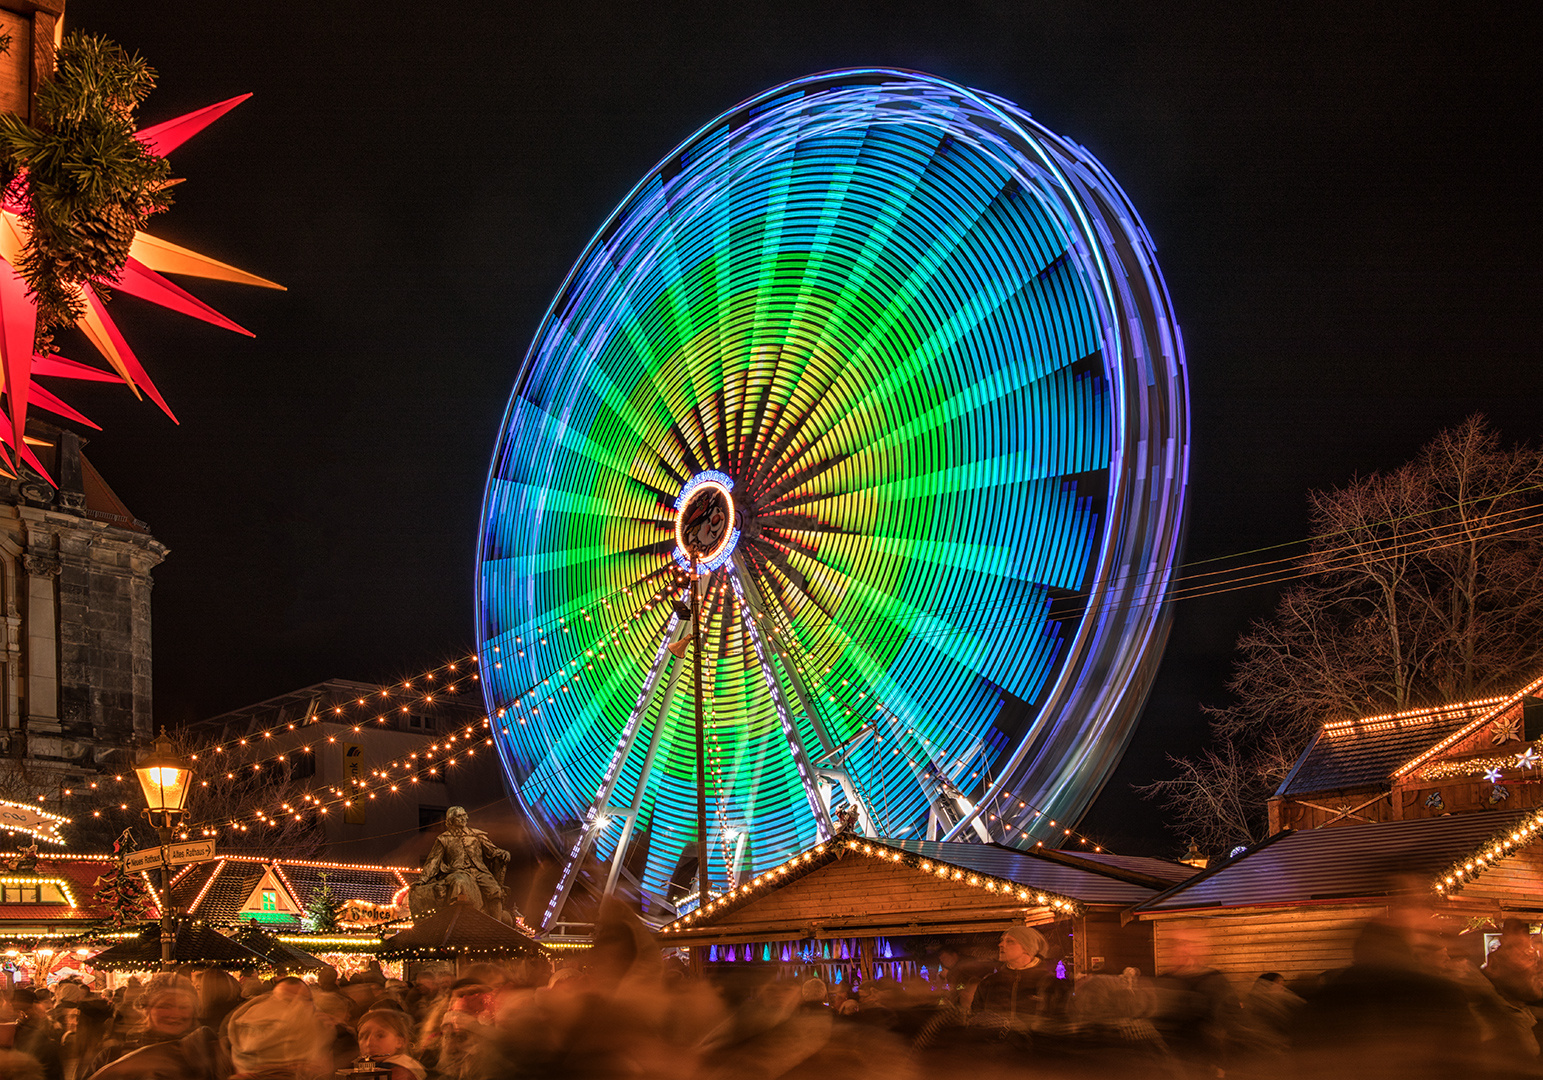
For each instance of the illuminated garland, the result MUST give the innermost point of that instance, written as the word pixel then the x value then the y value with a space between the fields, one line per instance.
pixel 1500 846
pixel 1484 766
pixel 34 821
pixel 1467 729
pixel 363 942
pixel 825 854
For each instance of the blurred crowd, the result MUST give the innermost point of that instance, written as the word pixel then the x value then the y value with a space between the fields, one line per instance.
pixel 1403 1008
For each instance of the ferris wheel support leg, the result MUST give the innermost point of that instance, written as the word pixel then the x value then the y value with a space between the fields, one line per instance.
pixel 750 594
pixel 795 743
pixel 620 853
pixel 594 822
pixel 938 819
pixel 970 814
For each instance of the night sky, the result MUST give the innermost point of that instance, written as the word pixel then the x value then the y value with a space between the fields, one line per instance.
pixel 1345 205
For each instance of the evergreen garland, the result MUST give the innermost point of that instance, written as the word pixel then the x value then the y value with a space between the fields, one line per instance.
pixel 83 181
pixel 321 907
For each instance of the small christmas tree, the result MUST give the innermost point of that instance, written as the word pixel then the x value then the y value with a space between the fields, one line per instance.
pixel 321 908
pixel 122 893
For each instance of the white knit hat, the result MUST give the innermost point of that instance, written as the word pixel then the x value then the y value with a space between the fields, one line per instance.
pixel 269 1032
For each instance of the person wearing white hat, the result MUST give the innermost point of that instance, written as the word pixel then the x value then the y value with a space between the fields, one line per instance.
pixel 1010 996
pixel 273 1037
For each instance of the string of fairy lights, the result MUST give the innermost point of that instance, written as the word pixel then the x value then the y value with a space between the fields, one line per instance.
pixel 435 685
pixel 457 747
pixel 617 617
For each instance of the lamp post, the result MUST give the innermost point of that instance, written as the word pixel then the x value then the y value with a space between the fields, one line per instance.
pixel 165 778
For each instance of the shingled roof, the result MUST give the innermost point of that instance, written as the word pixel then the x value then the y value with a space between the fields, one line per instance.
pixel 80 874
pixel 193 945
pixel 458 930
pixel 1356 861
pixel 218 889
pixel 1366 751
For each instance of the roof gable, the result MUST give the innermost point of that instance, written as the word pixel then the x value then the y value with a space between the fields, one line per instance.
pixel 269 899
pixel 945 871
pixel 1370 751
pixel 1470 728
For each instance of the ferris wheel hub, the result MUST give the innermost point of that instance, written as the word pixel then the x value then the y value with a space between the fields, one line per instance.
pixel 707 523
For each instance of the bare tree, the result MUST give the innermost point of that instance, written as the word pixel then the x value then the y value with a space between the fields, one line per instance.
pixel 1420 585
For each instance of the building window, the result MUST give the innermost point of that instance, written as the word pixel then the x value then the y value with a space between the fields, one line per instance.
pixel 430 817
pixel 42 892
pixel 270 900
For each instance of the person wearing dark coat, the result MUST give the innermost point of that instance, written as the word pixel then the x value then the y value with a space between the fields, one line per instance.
pixel 1387 1014
pixel 1010 997
pixel 36 1034
pixel 170 1013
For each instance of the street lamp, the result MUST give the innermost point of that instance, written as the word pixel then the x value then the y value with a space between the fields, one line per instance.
pixel 165 778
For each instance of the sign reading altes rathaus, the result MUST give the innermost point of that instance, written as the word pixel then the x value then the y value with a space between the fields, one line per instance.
pixel 74 614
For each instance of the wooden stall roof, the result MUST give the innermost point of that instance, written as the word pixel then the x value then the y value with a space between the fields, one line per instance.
pixel 1370 751
pixel 194 944
pixel 458 930
pixel 1159 869
pixel 853 885
pixel 1089 878
pixel 1364 861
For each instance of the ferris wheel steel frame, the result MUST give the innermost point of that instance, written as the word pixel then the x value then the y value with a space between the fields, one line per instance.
pixel 1064 369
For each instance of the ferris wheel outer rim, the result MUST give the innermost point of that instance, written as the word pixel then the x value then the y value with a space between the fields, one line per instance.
pixel 987 103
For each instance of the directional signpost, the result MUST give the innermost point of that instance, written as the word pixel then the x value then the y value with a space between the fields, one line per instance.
pixel 176 855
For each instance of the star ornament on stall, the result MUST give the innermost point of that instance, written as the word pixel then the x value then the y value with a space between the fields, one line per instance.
pixel 1492 775
pixel 1527 759
pixel 142 276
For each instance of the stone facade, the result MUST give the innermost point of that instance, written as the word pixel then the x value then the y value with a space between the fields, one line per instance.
pixel 75 596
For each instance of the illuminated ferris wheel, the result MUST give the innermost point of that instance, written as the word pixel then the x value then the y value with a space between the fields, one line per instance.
pixel 893 369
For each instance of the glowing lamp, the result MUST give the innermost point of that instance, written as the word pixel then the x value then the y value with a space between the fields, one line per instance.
pixel 164 776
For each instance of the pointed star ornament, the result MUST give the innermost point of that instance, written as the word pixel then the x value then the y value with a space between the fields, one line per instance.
pixel 149 259
pixel 1527 759
pixel 1492 775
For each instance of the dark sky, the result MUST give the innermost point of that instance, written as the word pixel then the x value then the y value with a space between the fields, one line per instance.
pixel 1345 204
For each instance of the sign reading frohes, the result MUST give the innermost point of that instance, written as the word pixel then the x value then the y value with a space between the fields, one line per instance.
pixel 353 769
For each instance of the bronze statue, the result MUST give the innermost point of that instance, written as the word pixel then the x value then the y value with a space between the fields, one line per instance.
pixel 463 867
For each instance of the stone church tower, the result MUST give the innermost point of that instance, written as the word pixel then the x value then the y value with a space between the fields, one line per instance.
pixel 74 562
pixel 75 597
